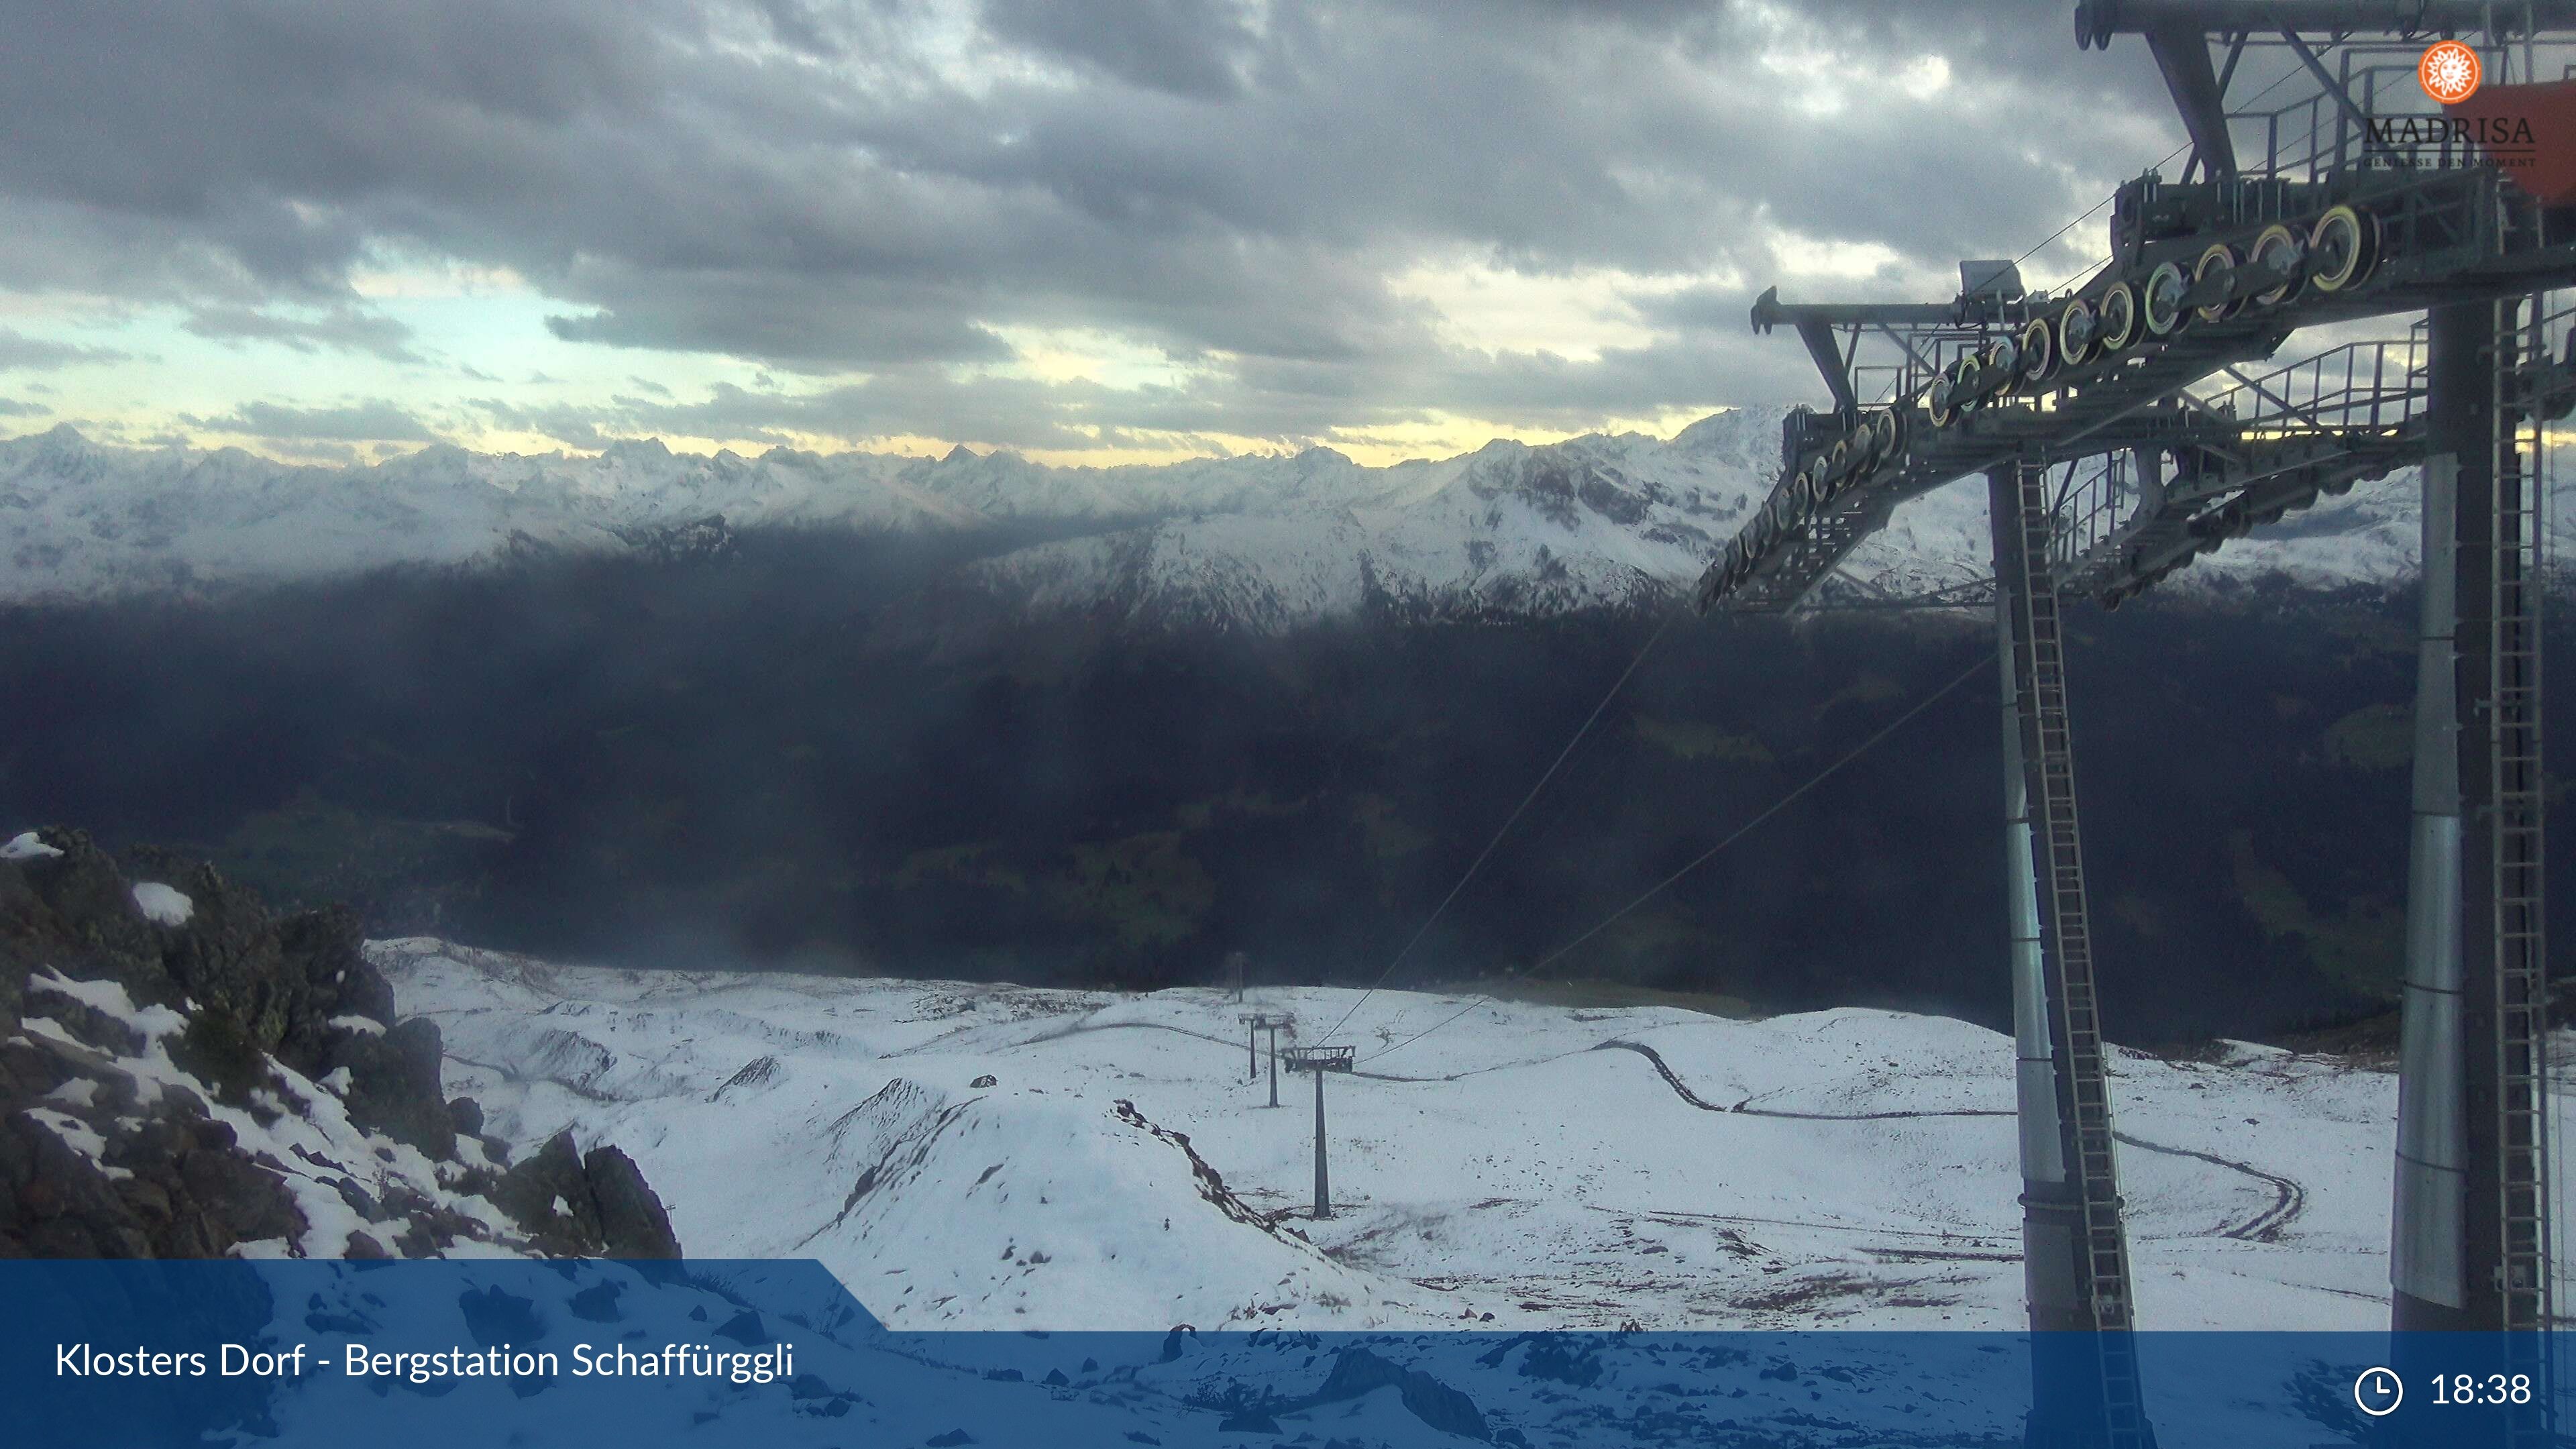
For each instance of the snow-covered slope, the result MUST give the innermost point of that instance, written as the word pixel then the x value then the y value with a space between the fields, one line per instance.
pixel 1258 542
pixel 1509 528
pixel 79 519
pixel 995 1157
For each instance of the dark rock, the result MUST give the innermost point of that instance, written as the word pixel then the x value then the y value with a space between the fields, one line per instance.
pixel 632 1222
pixel 89 907
pixel 226 958
pixel 699 540
pixel 395 1086
pixel 495 1317
pixel 319 952
pixel 530 1192
pixel 88 1023
pixel 56 1204
pixel 1357 1371
pixel 598 1304
pixel 255 992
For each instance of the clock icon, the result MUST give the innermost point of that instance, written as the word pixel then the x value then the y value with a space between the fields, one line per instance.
pixel 2378 1391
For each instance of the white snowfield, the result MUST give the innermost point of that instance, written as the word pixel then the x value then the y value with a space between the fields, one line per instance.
pixel 1260 542
pixel 1521 1167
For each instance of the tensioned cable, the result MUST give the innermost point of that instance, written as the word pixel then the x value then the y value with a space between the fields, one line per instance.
pixel 1621 683
pixel 1557 764
pixel 2114 196
pixel 1705 856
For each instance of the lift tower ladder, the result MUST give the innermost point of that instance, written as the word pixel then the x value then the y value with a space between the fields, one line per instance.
pixel 2049 762
pixel 2515 552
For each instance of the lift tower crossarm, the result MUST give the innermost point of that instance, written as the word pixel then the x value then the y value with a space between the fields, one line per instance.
pixel 1815 324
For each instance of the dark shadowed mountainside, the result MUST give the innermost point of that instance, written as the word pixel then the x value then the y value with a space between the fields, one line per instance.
pixel 815 749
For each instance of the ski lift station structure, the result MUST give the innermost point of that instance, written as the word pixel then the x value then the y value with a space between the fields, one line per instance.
pixel 2134 420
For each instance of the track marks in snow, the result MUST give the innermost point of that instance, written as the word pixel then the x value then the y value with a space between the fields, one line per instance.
pixel 2266 1226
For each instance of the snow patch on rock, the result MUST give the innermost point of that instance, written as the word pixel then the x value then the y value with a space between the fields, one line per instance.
pixel 161 904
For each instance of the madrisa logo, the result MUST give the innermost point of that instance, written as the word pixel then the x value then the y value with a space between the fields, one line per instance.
pixel 2449 72
pixel 2489 132
pixel 2506 142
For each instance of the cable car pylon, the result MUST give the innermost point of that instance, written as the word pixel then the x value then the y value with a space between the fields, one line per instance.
pixel 2113 456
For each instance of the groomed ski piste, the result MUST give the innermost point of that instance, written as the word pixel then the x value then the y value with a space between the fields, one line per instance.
pixel 992 1157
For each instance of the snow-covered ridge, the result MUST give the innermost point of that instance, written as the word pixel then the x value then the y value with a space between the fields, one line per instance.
pixel 1258 542
pixel 996 1157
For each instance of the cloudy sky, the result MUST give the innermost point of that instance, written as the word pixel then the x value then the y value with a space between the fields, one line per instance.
pixel 1088 230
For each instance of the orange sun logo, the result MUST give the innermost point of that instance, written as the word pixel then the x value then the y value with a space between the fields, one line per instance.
pixel 2449 71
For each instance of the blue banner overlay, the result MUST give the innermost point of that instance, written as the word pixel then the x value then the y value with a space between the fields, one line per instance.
pixel 103 1355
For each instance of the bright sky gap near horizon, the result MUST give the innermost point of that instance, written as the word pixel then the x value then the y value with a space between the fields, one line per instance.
pixel 1119 231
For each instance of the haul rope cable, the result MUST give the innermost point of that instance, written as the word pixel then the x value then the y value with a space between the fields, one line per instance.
pixel 2105 201
pixel 1558 764
pixel 1621 683
pixel 1703 857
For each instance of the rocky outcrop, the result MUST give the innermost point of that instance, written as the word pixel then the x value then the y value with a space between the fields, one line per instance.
pixel 632 1222
pixel 698 540
pixel 587 1206
pixel 185 1074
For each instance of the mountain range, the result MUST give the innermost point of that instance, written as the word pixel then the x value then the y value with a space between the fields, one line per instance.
pixel 1264 542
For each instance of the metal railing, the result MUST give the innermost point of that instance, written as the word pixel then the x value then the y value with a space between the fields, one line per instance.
pixel 2096 498
pixel 2313 133
pixel 2375 386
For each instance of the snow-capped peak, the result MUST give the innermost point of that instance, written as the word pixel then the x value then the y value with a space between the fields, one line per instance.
pixel 1254 541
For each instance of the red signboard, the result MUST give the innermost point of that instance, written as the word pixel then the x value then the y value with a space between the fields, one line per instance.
pixel 2529 131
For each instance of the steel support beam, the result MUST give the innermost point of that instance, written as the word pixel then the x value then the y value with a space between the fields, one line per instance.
pixel 2469 1242
pixel 1323 1180
pixel 1830 362
pixel 2182 55
pixel 2052 1219
pixel 2096 21
pixel 2463 416
pixel 2424 1259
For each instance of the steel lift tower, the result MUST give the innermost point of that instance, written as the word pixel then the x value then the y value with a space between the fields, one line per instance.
pixel 2121 434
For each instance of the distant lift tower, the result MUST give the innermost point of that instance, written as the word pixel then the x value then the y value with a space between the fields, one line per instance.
pixel 1256 1023
pixel 1320 1060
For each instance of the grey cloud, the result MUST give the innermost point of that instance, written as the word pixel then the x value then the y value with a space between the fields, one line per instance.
pixel 803 185
pixel 371 421
pixel 19 351
pixel 1288 402
pixel 14 408
pixel 343 329
pixel 572 427
pixel 1188 47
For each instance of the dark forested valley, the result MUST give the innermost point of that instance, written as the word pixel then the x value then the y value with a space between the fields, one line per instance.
pixel 824 751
